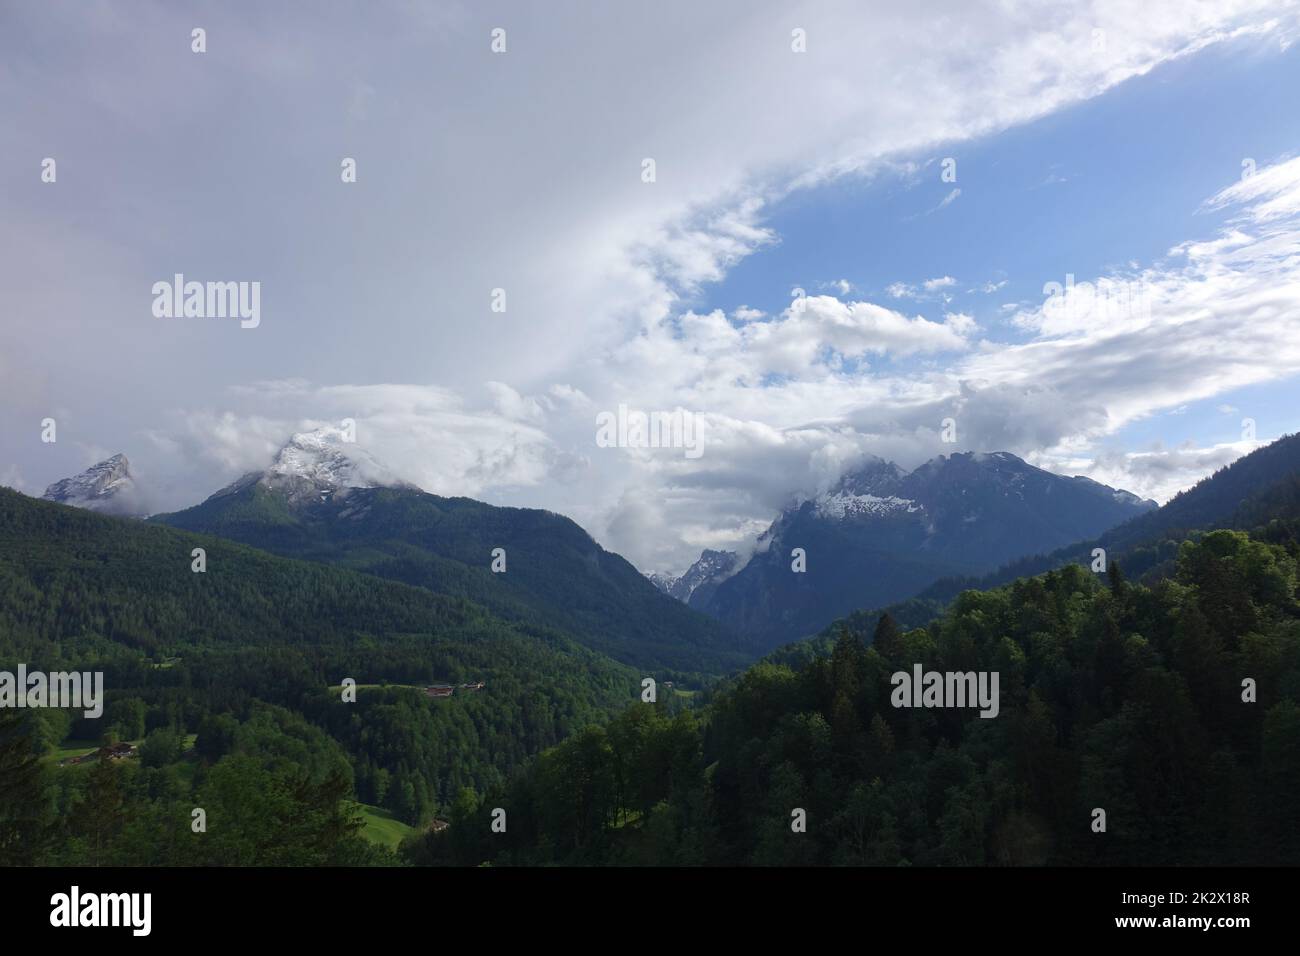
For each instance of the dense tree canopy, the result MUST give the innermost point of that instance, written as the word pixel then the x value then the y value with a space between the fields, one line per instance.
pixel 1114 696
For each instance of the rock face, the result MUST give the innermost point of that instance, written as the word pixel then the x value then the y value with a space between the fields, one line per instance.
pixel 107 487
pixel 882 534
pixel 710 568
pixel 318 466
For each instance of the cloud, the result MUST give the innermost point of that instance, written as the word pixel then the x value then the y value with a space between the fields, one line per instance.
pixel 786 416
pixel 948 199
pixel 423 434
pixel 1157 472
pixel 532 184
pixel 12 477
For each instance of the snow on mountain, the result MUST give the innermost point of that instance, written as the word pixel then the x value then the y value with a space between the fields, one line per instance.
pixel 708 570
pixel 326 459
pixel 881 534
pixel 664 582
pixel 840 505
pixel 319 465
pixel 107 486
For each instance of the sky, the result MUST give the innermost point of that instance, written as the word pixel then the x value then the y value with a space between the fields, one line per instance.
pixel 1069 231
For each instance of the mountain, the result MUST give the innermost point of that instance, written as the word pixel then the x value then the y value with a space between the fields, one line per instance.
pixel 664 582
pixel 1243 495
pixel 710 568
pixel 324 500
pixel 84 591
pixel 1085 693
pixel 882 534
pixel 1259 493
pixel 107 487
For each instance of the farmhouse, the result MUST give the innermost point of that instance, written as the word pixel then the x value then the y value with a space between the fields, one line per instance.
pixel 439 690
pixel 473 685
pixel 118 751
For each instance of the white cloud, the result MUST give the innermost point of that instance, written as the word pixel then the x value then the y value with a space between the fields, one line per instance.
pixel 785 417
pixel 388 280
pixel 1158 472
pixel 948 199
pixel 11 477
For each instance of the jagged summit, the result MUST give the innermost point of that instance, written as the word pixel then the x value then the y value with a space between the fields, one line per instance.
pixel 325 458
pixel 881 534
pixel 880 487
pixel 106 486
pixel 711 567
pixel 319 464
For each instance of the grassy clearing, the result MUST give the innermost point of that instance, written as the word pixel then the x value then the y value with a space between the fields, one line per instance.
pixel 71 748
pixel 382 827
pixel 79 748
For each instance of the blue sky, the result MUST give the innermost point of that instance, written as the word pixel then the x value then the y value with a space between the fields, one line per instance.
pixel 1131 170
pixel 1110 180
pixel 523 171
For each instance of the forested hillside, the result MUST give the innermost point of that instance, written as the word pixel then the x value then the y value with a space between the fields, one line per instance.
pixel 1254 489
pixel 555 574
pixel 1114 696
pixel 213 653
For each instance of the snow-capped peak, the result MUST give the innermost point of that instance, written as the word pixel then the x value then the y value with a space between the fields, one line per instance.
pixel 710 567
pixel 328 460
pixel 105 486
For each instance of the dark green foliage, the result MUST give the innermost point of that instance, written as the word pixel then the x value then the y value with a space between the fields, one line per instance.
pixel 1113 695
pixel 1259 492
pixel 207 653
pixel 22 799
pixel 556 576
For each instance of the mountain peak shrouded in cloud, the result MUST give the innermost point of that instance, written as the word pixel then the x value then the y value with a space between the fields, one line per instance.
pixel 320 463
pixel 329 458
pixel 880 534
pixel 683 297
pixel 107 486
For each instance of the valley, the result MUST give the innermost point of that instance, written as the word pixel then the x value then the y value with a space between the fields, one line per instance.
pixel 349 641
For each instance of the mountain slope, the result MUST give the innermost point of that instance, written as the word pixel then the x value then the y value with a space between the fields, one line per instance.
pixel 881 535
pixel 1109 694
pixel 318 503
pixel 1255 490
pixel 79 589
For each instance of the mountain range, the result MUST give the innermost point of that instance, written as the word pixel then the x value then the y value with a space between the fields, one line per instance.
pixel 248 656
pixel 323 499
pixel 882 533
